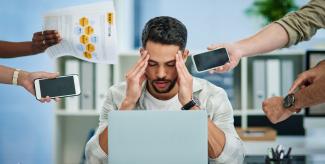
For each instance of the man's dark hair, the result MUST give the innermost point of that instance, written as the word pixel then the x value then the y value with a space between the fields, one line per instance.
pixel 165 30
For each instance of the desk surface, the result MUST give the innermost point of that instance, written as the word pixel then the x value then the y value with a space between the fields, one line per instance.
pixel 299 145
pixel 259 159
pixel 312 146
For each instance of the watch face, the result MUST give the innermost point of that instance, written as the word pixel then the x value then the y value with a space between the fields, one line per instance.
pixel 288 101
pixel 197 101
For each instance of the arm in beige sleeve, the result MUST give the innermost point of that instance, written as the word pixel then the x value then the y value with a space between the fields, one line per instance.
pixel 291 29
pixel 304 23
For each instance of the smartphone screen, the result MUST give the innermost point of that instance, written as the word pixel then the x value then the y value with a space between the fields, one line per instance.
pixel 57 87
pixel 210 59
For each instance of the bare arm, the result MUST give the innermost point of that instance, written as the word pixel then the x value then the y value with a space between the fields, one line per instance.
pixel 216 140
pixel 6 74
pixel 40 41
pixel 25 79
pixel 15 49
pixel 272 37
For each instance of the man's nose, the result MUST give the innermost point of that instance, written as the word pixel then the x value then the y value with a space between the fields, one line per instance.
pixel 161 72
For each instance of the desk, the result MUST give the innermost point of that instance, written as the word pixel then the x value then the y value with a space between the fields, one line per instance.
pixel 312 146
pixel 260 159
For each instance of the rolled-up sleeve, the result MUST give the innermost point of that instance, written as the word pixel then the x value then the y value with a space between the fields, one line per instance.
pixel 94 153
pixel 304 23
pixel 222 116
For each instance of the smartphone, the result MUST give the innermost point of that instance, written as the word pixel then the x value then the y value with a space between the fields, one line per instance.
pixel 62 86
pixel 211 59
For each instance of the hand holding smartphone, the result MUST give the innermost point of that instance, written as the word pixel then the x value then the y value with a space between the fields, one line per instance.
pixel 211 59
pixel 62 86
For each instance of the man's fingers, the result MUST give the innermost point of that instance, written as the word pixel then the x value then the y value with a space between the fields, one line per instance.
pixel 42 100
pixel 142 57
pixel 37 34
pixel 57 99
pixel 214 46
pixel 46 36
pixel 227 67
pixel 219 69
pixel 180 71
pixel 48 32
pixel 50 75
pixel 135 72
pixel 142 79
pixel 183 66
pixel 47 99
pixel 140 71
pixel 43 75
pixel 52 36
pixel 300 80
pixel 51 42
pixel 294 110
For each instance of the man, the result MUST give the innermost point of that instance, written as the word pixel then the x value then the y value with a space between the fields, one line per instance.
pixel 291 29
pixel 161 81
pixel 40 41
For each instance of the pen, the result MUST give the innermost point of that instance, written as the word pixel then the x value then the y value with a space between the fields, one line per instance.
pixel 281 154
pixel 273 153
pixel 270 153
pixel 288 153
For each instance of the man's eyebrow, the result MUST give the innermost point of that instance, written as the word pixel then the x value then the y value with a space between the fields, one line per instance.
pixel 171 61
pixel 152 61
pixel 168 62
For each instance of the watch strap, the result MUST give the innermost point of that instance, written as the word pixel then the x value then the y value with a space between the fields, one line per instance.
pixel 15 77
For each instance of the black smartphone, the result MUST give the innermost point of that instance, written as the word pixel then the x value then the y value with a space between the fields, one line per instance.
pixel 211 59
pixel 62 86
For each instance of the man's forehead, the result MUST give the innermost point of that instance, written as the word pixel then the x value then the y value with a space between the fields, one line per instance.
pixel 167 57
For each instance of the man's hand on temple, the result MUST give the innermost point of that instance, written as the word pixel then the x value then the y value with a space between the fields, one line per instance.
pixel 135 78
pixel 184 80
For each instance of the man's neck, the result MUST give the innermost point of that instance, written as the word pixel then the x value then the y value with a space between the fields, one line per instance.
pixel 163 96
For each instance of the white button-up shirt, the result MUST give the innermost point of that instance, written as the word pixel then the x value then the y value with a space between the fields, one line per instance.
pixel 213 99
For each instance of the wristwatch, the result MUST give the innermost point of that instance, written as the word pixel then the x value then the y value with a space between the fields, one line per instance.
pixel 289 101
pixel 194 102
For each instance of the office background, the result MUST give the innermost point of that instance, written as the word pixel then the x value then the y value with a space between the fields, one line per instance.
pixel 26 126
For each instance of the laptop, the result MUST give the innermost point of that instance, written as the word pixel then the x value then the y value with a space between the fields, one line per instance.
pixel 157 137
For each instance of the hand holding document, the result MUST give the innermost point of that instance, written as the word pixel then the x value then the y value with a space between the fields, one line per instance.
pixel 88 32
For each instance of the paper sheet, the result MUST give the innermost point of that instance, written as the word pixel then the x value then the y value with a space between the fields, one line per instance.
pixel 88 32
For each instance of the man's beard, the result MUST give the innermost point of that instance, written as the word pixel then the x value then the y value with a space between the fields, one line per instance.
pixel 168 89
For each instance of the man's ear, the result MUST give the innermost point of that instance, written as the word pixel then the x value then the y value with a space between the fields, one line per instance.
pixel 141 51
pixel 185 54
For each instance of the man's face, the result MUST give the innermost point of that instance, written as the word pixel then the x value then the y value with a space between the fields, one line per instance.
pixel 161 71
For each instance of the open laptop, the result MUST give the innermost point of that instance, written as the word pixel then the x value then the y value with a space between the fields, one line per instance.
pixel 157 137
